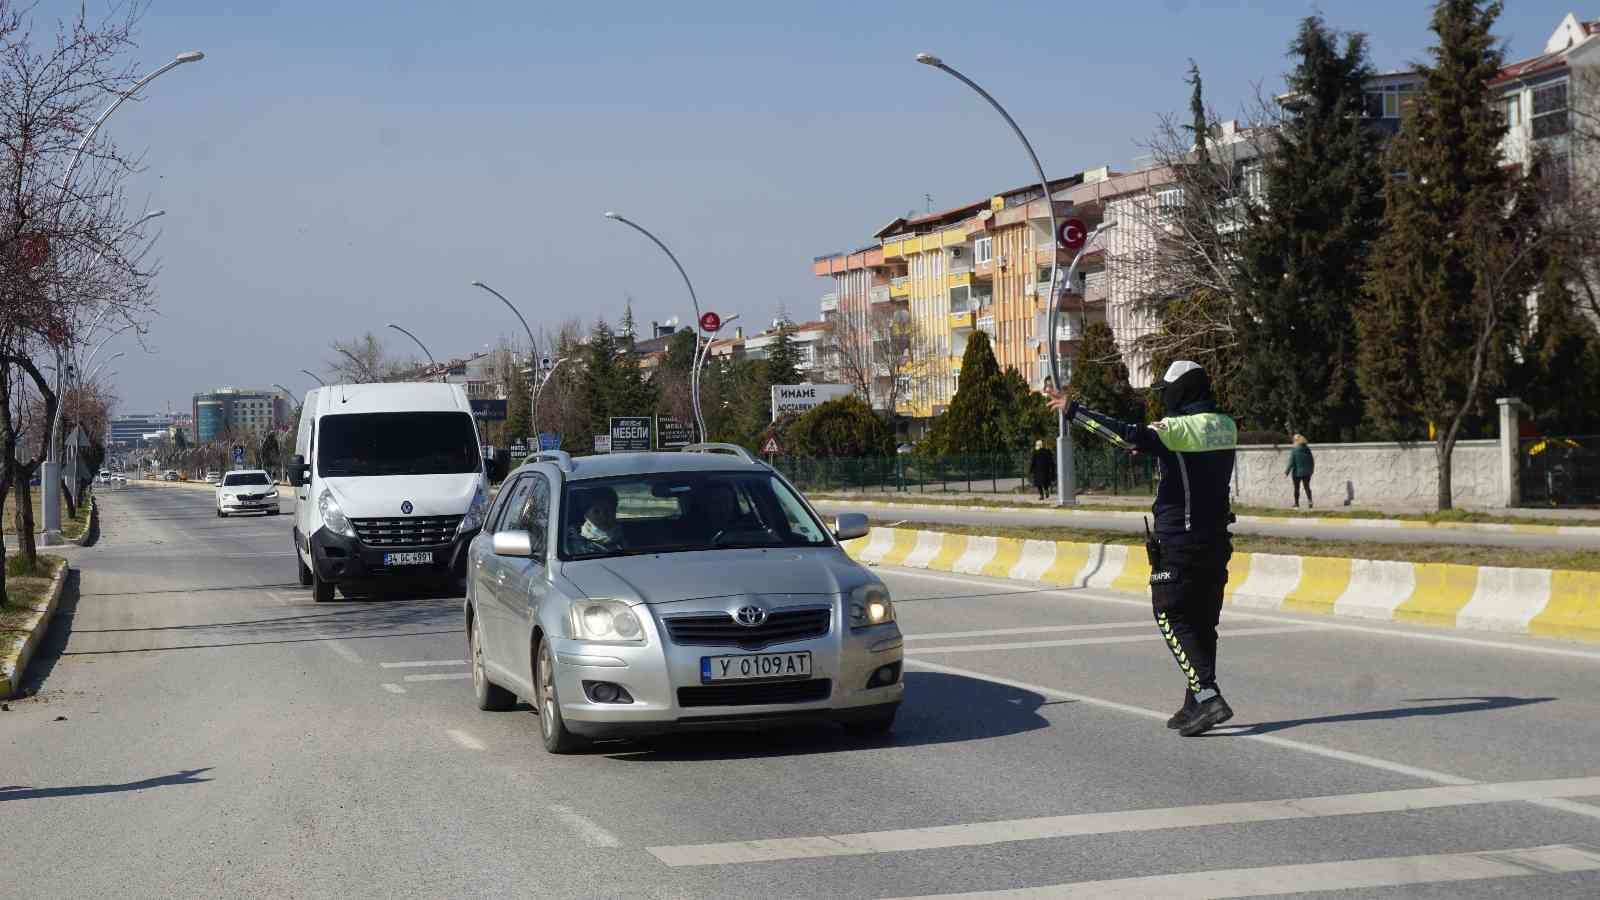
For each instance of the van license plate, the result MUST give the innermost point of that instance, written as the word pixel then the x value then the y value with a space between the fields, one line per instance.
pixel 408 559
pixel 756 667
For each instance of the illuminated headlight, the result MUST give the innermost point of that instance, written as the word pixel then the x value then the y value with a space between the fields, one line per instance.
pixel 272 494
pixel 473 520
pixel 606 620
pixel 333 516
pixel 870 605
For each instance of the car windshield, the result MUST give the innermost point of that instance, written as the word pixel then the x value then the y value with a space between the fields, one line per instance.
pixel 241 478
pixel 398 443
pixel 683 512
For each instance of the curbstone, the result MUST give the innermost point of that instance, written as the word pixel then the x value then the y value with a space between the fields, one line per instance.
pixel 1541 602
pixel 11 681
pixel 88 530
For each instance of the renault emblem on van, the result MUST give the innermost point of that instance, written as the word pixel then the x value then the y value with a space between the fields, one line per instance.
pixel 406 507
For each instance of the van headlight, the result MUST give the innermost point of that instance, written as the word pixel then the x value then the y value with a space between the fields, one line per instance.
pixel 473 520
pixel 333 517
pixel 606 620
pixel 870 605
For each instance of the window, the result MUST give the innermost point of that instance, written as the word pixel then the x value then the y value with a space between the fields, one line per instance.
pixel 1168 201
pixel 1550 110
pixel 508 491
pixel 401 443
pixel 983 250
pixel 1252 182
pixel 1513 110
pixel 534 514
pixel 245 478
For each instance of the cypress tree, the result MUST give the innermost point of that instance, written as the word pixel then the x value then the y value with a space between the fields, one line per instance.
pixel 1448 276
pixel 1561 360
pixel 973 422
pixel 1303 263
pixel 783 360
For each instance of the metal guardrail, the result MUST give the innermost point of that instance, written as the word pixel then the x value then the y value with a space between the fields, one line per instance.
pixel 1103 469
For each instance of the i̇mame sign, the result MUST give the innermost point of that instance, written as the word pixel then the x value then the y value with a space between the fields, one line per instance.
pixel 798 398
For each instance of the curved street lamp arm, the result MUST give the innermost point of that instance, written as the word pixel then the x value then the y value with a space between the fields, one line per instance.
pixel 532 344
pixel 419 343
pixel 314 377
pixel 694 299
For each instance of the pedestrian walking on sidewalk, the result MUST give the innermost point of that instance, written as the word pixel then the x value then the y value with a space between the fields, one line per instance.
pixel 1301 465
pixel 1042 468
pixel 1189 552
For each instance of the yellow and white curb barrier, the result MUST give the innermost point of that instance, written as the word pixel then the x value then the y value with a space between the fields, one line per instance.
pixel 1301 521
pixel 1543 602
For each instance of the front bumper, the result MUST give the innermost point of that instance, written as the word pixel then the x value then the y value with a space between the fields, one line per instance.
pixel 654 675
pixel 344 560
pixel 267 504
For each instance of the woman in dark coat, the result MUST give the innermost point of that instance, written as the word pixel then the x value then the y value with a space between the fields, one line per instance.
pixel 1301 465
pixel 1042 468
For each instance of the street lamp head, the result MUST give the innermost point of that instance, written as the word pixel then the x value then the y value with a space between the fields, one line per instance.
pixel 611 214
pixel 928 59
pixel 478 284
pixel 191 56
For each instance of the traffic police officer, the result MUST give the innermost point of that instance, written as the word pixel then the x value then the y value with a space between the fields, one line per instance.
pixel 1189 553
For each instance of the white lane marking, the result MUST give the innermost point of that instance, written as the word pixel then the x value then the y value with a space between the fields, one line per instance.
pixel 1230 612
pixel 464 739
pixel 345 653
pixel 423 663
pixel 1393 871
pixel 1036 629
pixel 1342 755
pixel 1120 822
pixel 1113 639
pixel 441 676
pixel 394 688
pixel 592 833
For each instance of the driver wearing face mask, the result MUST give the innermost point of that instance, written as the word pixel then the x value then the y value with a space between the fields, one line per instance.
pixel 1189 552
pixel 599 531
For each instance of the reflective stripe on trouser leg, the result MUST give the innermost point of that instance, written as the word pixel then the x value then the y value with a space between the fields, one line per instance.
pixel 1177 652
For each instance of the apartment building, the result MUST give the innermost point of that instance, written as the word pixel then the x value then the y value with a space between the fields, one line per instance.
pixel 810 341
pixel 1543 95
pixel 230 413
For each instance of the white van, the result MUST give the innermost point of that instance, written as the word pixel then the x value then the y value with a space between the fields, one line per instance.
pixel 389 483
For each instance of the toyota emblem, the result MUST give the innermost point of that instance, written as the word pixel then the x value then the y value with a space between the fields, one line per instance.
pixel 406 507
pixel 750 616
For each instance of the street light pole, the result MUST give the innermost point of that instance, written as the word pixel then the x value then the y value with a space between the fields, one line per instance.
pixel 313 377
pixel 1065 494
pixel 694 371
pixel 533 348
pixel 533 405
pixel 419 343
pixel 50 476
pixel 712 339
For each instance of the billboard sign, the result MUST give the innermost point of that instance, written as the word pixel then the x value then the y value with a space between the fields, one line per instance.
pixel 673 434
pixel 799 398
pixel 602 443
pixel 631 434
pixel 489 410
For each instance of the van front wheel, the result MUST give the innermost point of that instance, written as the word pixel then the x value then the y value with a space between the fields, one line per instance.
pixel 321 591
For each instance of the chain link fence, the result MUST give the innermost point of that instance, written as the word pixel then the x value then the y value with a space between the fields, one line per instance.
pixel 1102 470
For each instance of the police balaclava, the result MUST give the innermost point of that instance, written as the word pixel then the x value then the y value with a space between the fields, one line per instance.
pixel 1184 383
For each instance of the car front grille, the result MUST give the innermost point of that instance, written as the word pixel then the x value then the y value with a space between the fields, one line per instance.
pixel 413 531
pixel 756 694
pixel 720 629
pixel 250 498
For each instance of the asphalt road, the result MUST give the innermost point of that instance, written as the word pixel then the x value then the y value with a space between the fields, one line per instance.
pixel 204 729
pixel 1103 520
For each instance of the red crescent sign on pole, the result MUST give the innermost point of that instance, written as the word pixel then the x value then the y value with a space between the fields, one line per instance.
pixel 1072 233
pixel 710 321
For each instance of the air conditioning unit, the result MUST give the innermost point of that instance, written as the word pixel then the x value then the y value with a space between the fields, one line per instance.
pixel 1001 260
pixel 955 252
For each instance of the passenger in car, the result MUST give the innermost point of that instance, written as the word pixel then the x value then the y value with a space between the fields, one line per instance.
pixel 598 530
pixel 721 505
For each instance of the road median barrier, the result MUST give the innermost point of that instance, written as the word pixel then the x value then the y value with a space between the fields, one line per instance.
pixel 1552 603
pixel 18 645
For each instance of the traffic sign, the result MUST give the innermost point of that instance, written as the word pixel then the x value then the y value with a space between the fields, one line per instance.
pixel 1072 233
pixel 771 448
pixel 710 321
pixel 549 440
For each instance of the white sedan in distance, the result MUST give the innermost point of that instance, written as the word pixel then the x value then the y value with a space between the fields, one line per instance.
pixel 247 490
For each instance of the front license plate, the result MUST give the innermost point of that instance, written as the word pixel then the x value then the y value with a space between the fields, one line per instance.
pixel 408 559
pixel 755 667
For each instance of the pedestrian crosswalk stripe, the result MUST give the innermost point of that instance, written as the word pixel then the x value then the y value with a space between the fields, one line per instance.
pixel 1120 822
pixel 422 663
pixel 445 676
pixel 1394 871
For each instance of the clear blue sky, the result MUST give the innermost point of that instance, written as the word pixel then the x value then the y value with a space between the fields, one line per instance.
pixel 338 164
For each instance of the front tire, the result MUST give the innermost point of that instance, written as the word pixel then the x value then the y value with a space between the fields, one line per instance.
pixel 221 514
pixel 490 696
pixel 557 739
pixel 305 570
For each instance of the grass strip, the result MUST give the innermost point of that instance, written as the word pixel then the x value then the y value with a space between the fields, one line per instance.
pixel 1449 515
pixel 26 588
pixel 1460 554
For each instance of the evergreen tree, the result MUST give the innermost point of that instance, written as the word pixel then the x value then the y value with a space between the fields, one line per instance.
pixel 680 352
pixel 1199 121
pixel 1561 360
pixel 635 396
pixel 783 360
pixel 846 427
pixel 1025 415
pixel 600 390
pixel 519 418
pixel 1303 262
pixel 1447 279
pixel 973 423
pixel 1100 378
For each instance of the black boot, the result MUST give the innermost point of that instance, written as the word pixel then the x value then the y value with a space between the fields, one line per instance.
pixel 1210 713
pixel 1188 708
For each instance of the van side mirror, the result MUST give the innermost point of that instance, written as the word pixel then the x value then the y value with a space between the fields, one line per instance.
pixel 297 471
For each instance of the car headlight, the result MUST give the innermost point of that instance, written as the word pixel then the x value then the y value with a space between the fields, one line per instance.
pixel 473 520
pixel 870 605
pixel 272 494
pixel 333 516
pixel 606 620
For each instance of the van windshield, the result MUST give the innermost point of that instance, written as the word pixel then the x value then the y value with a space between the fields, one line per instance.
pixel 396 443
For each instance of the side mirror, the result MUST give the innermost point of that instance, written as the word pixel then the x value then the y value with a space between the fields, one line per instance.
pixel 849 526
pixel 297 471
pixel 513 543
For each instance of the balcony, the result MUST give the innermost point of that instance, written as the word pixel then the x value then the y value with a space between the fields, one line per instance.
pixel 986 323
pixel 830 301
pixel 958 279
pixel 900 287
pixel 879 294
pixel 962 321
pixel 1097 287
